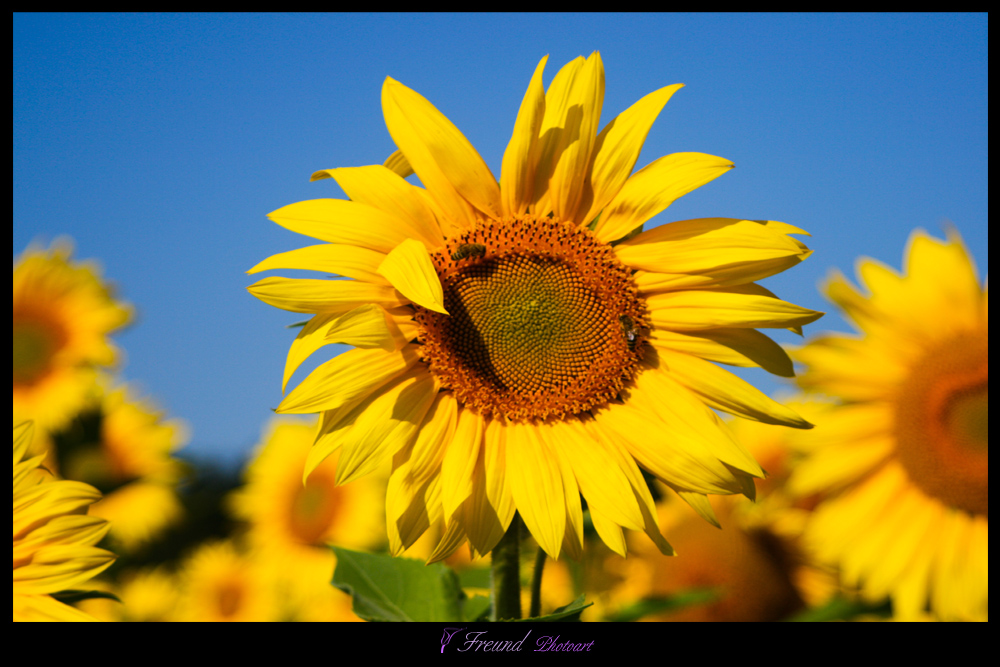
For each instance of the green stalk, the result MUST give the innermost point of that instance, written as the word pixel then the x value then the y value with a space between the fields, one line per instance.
pixel 506 575
pixel 536 584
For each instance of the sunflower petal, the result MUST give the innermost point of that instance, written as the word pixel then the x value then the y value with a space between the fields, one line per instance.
pixel 724 391
pixel 479 518
pixel 447 164
pixel 398 164
pixel 654 188
pixel 734 347
pixel 459 462
pixel 536 484
pixel 347 222
pixel 569 130
pixel 609 532
pixel 710 252
pixel 363 327
pixel 699 503
pixel 436 434
pixel 618 147
pixel 381 188
pixel 386 426
pixel 323 296
pixel 410 270
pixel 602 482
pixel 346 377
pixel 342 260
pixel 697 309
pixel 518 171
pixel 46 609
pixel 60 568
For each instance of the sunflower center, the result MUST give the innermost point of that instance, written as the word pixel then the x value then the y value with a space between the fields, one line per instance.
pixel 314 509
pixel 544 320
pixel 942 423
pixel 35 345
pixel 230 598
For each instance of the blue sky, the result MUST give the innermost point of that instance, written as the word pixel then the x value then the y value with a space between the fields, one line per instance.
pixel 160 142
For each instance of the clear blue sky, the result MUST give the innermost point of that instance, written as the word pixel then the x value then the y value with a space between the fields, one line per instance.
pixel 160 142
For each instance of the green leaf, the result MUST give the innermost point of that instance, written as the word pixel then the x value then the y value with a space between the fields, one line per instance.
pixel 297 325
pixel 475 578
pixel 72 597
pixel 476 609
pixel 842 609
pixel 396 589
pixel 674 603
pixel 568 614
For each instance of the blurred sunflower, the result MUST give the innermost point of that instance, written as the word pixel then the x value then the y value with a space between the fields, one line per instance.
pixel 292 524
pixel 517 344
pixel 53 538
pixel 63 314
pixel 125 448
pixel 221 584
pixel 904 459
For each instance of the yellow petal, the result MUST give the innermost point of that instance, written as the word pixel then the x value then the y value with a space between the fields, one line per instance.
pixel 436 434
pixel 609 532
pixel 406 506
pixel 697 309
pixel 342 260
pixel 617 447
pixel 658 390
pixel 518 171
pixel 447 164
pixel 22 438
pixel 618 147
pixel 347 222
pixel 347 377
pixel 379 187
pixel 60 568
pixel 480 519
pixel 735 347
pixel 602 482
pixel 398 164
pixel 853 369
pixel 536 484
pixel 831 469
pixel 453 538
pixel 410 270
pixel 46 609
pixel 671 451
pixel 724 391
pixel 323 296
pixel 699 503
pixel 497 480
pixel 69 530
pixel 569 131
pixel 363 327
pixel 387 425
pixel 710 252
pixel 572 544
pixel 459 462
pixel 655 187
pixel 37 505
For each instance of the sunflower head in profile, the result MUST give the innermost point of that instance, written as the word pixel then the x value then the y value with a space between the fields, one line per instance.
pixel 517 343
pixel 53 537
pixel 63 314
pixel 904 459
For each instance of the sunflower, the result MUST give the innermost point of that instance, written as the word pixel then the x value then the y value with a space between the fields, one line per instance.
pixel 220 583
pixel 517 344
pixel 63 314
pixel 53 538
pixel 124 448
pixel 292 524
pixel 903 460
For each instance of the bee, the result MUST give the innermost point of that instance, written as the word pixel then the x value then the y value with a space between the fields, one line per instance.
pixel 630 331
pixel 469 250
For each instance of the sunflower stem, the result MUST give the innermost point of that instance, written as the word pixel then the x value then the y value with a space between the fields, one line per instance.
pixel 536 584
pixel 506 574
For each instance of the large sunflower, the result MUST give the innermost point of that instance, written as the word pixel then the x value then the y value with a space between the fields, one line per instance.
pixel 517 346
pixel 63 314
pixel 904 460
pixel 53 538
